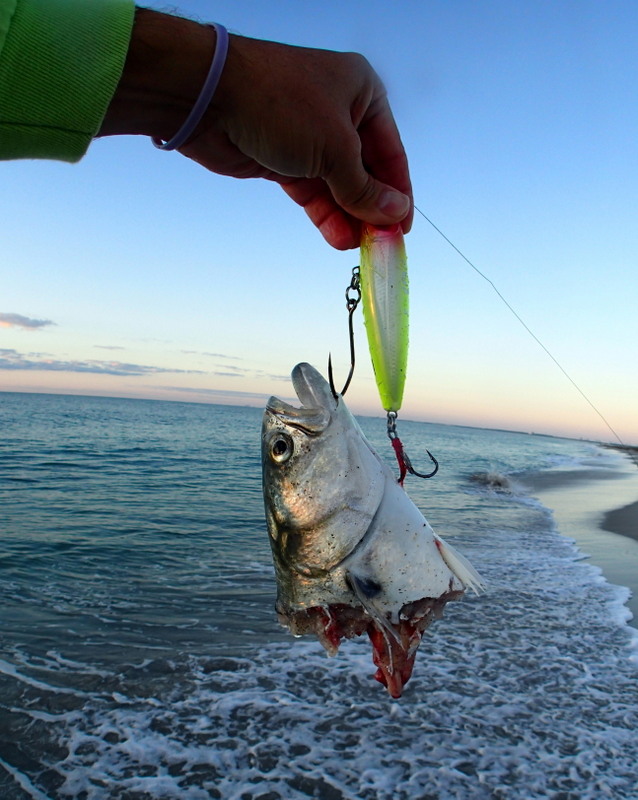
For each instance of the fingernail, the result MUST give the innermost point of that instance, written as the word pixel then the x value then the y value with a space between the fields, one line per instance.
pixel 394 204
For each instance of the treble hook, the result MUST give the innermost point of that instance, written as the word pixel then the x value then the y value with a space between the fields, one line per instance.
pixel 405 465
pixel 352 301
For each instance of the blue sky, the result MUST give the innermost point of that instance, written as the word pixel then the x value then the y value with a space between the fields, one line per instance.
pixel 520 122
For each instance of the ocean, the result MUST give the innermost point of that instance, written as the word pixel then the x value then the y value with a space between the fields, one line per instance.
pixel 141 659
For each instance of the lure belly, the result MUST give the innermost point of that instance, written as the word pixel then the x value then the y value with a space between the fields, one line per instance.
pixel 384 297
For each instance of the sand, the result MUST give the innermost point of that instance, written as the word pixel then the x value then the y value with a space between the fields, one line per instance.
pixel 598 507
pixel 622 520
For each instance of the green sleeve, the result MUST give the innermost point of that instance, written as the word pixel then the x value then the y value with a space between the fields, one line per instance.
pixel 60 63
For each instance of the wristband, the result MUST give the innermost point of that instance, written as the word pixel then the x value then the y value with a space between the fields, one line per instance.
pixel 205 96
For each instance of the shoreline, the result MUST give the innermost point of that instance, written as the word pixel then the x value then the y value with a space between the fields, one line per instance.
pixel 596 505
pixel 629 450
pixel 623 520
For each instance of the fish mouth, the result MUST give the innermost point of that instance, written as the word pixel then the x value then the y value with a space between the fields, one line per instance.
pixel 315 396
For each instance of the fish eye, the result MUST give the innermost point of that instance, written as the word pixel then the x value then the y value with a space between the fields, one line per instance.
pixel 281 448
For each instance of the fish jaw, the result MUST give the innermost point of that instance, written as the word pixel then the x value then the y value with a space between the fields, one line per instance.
pixel 352 553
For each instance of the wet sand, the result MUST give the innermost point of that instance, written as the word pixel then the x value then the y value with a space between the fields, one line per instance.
pixel 623 521
pixel 597 506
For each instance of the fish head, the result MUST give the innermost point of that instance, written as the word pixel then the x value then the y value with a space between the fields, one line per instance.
pixel 322 485
pixel 352 553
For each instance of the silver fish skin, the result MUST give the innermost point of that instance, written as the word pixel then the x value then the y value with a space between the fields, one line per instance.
pixel 352 553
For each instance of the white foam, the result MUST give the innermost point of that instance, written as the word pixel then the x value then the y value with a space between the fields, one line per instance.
pixel 9 669
pixel 293 723
pixel 23 782
pixel 528 691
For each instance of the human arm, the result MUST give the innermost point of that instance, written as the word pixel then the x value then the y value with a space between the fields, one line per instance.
pixel 314 121
pixel 60 61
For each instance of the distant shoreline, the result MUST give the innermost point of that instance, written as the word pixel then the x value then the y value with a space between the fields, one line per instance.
pixel 260 399
pixel 630 449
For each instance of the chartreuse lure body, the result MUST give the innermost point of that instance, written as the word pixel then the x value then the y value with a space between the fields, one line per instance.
pixel 384 296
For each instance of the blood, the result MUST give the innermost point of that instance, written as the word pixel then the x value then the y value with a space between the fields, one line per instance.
pixel 331 630
pixel 394 660
pixel 393 655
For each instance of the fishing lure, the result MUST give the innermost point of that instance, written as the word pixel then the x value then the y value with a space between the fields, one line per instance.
pixel 385 301
pixel 383 275
pixel 381 284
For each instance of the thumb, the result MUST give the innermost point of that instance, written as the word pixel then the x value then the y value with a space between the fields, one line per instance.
pixel 367 199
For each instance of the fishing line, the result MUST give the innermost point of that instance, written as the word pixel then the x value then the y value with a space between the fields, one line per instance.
pixel 523 323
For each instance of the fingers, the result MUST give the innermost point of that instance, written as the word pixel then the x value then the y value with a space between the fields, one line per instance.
pixel 370 179
pixel 367 181
pixel 349 194
pixel 367 199
pixel 339 229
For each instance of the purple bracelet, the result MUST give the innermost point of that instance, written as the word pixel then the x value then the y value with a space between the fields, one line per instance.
pixel 206 95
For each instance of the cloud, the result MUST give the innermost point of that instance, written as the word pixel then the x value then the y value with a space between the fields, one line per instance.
pixel 222 394
pixel 229 371
pixel 210 355
pixel 26 323
pixel 285 378
pixel 12 360
pixel 215 392
pixel 108 347
pixel 232 371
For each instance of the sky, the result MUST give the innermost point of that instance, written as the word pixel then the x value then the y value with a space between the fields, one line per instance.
pixel 135 273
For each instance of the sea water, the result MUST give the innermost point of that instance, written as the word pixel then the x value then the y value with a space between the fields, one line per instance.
pixel 140 657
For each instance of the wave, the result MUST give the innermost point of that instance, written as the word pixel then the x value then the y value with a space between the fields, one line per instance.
pixel 492 480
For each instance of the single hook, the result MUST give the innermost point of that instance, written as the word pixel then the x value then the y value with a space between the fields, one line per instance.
pixel 412 471
pixel 351 304
pixel 331 380
pixel 405 465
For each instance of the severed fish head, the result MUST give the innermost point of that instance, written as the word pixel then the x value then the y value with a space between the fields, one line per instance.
pixel 352 553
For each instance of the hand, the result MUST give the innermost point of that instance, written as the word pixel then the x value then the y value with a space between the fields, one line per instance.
pixel 309 120
pixel 315 121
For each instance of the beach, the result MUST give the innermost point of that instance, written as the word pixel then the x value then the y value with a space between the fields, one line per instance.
pixel 623 521
pixel 595 504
